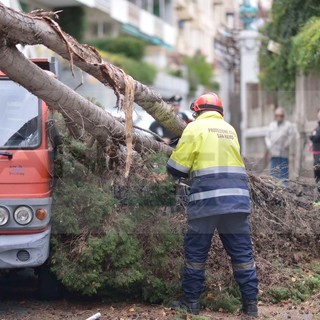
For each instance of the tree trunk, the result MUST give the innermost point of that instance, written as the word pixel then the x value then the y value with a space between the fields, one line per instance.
pixel 98 122
pixel 31 29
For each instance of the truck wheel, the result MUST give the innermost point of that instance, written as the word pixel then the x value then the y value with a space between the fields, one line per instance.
pixel 49 287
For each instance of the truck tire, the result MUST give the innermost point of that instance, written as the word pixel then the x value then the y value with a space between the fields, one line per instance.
pixel 49 287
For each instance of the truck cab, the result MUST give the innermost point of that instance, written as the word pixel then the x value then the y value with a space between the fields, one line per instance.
pixel 26 182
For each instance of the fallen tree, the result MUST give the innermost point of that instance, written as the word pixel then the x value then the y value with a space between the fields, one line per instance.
pixel 93 119
pixel 42 29
pixel 124 235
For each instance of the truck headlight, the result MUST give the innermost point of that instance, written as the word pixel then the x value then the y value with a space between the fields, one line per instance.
pixel 4 216
pixel 23 215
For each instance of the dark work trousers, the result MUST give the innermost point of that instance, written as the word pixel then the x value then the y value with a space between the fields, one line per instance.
pixel 234 232
pixel 316 167
pixel 280 168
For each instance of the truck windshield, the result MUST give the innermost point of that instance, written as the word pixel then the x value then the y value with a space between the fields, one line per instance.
pixel 19 117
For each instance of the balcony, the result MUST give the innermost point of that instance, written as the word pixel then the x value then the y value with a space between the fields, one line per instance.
pixel 132 19
pixel 102 5
pixel 143 24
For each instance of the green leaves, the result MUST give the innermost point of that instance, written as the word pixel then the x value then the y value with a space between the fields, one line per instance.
pixel 278 72
pixel 199 72
pixel 106 241
pixel 128 46
pixel 305 55
pixel 139 70
pixel 126 53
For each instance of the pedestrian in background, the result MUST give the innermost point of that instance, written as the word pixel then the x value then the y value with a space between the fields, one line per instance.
pixel 281 133
pixel 166 135
pixel 209 154
pixel 315 139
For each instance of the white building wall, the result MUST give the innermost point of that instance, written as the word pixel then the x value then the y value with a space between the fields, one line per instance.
pixel 119 10
pixel 14 4
pixel 146 23
pixel 196 30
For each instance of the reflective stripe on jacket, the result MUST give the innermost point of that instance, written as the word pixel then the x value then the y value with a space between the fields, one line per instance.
pixel 209 153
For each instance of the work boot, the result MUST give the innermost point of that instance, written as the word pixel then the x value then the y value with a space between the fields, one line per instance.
pixel 250 308
pixel 188 305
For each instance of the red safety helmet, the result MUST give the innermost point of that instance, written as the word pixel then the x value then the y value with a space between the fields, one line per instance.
pixel 207 102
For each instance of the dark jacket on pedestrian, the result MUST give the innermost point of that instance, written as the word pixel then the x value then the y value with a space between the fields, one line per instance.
pixel 315 138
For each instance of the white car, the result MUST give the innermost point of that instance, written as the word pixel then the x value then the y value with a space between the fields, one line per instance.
pixel 141 119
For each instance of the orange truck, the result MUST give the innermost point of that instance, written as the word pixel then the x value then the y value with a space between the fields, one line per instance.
pixel 28 141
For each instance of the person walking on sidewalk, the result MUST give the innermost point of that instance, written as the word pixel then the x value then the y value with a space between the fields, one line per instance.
pixel 209 154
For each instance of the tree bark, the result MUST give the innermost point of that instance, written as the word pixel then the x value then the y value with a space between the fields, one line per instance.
pixel 30 29
pixel 95 120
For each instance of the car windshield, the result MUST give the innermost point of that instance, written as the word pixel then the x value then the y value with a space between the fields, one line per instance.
pixel 19 117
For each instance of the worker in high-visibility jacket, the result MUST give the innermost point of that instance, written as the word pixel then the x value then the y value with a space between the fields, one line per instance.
pixel 209 154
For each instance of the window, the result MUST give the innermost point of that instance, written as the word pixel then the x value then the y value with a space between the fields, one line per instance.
pixel 24 6
pixel 156 8
pixel 230 20
pixel 20 126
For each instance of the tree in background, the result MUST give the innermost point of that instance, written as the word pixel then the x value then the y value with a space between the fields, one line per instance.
pixel 200 72
pixel 126 52
pixel 277 70
pixel 305 51
pixel 128 46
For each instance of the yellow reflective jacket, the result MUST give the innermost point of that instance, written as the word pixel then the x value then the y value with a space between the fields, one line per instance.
pixel 209 153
